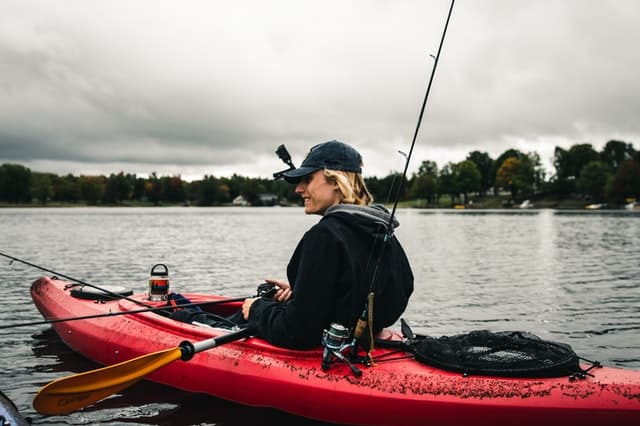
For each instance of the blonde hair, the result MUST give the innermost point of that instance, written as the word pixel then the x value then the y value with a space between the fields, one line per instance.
pixel 351 186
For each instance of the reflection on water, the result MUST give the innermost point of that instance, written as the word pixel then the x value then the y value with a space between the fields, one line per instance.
pixel 487 212
pixel 570 276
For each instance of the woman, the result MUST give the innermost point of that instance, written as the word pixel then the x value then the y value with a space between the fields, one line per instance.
pixel 332 268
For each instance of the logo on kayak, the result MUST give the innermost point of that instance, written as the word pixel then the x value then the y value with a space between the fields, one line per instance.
pixel 63 402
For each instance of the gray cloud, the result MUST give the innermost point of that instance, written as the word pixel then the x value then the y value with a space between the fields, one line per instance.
pixel 211 87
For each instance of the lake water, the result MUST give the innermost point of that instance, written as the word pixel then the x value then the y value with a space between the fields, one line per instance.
pixel 571 276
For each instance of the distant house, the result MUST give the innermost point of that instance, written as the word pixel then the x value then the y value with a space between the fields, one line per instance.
pixel 240 201
pixel 267 200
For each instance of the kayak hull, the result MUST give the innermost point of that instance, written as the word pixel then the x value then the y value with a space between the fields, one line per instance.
pixel 398 391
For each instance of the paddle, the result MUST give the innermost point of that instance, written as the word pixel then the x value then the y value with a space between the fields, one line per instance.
pixel 71 393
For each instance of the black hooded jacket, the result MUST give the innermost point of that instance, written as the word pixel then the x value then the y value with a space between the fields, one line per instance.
pixel 330 274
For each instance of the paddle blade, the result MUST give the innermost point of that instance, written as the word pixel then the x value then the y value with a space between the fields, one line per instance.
pixel 71 393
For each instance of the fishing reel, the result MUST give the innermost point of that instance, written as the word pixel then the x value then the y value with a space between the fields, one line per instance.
pixel 266 290
pixel 338 345
pixel 284 155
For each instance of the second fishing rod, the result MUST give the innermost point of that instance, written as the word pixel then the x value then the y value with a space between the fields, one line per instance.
pixel 366 318
pixel 157 285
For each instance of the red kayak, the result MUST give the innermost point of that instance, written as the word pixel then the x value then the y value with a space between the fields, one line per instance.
pixel 398 391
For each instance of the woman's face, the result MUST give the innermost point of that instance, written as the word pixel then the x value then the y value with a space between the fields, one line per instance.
pixel 318 194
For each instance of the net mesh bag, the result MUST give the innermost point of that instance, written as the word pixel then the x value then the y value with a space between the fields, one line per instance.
pixel 505 353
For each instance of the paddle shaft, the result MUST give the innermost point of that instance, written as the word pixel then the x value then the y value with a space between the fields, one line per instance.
pixel 189 349
pixel 134 311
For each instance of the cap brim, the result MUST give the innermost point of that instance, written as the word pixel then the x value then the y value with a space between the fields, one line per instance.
pixel 294 176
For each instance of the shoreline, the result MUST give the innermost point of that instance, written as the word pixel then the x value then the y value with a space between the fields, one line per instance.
pixel 409 205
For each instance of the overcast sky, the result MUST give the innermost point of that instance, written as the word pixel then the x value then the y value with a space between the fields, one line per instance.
pixel 213 87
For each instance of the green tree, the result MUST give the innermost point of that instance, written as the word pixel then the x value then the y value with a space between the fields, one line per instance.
pixel 593 180
pixel 424 187
pixel 562 182
pixel 252 188
pixel 506 176
pixel 516 175
pixel 119 188
pixel 282 189
pixel 468 178
pixel 569 163
pixel 385 190
pixel 536 172
pixel 424 184
pixel 138 189
pixel 152 189
pixel 573 160
pixel 66 189
pixel 579 156
pixel 15 183
pixel 509 153
pixel 448 183
pixel 208 191
pixel 41 186
pixel 626 183
pixel 615 152
pixel 486 167
pixel 92 188
pixel 172 189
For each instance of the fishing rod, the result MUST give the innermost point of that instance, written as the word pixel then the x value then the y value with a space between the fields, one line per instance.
pixel 264 290
pixel 134 311
pixel 366 318
pixel 109 292
pixel 424 104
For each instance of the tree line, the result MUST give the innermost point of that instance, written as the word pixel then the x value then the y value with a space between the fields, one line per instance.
pixel 608 176
pixel 611 175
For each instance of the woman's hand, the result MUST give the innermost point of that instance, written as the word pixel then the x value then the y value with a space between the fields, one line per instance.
pixel 284 290
pixel 246 307
pixel 282 295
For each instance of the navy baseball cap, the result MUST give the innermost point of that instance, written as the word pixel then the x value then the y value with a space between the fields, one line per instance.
pixel 332 155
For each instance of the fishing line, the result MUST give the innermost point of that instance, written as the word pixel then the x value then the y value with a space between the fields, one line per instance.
pixel 109 292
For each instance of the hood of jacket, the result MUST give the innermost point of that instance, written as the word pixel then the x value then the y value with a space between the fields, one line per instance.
pixel 373 219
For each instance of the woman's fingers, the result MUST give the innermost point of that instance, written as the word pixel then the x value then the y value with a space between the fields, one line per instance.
pixel 282 295
pixel 284 290
pixel 282 284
